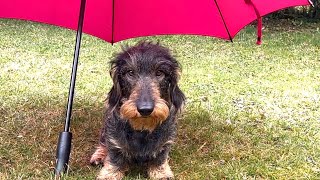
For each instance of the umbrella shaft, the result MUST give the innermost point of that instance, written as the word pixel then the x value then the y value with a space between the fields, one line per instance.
pixel 74 66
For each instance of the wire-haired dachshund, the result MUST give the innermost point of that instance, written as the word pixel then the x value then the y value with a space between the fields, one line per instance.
pixel 141 112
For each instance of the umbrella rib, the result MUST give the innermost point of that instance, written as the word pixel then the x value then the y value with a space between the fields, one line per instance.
pixel 224 22
pixel 112 28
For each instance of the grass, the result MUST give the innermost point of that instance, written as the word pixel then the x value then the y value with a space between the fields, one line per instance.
pixel 252 111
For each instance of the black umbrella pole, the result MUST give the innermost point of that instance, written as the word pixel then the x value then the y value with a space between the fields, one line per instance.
pixel 65 137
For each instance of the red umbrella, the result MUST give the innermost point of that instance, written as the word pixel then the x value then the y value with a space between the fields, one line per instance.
pixel 116 20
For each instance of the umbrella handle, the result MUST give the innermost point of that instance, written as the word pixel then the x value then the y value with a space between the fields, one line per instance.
pixel 259 21
pixel 259 30
pixel 63 152
pixel 64 142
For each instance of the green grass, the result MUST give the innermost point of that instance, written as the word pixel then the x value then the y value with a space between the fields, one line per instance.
pixel 252 111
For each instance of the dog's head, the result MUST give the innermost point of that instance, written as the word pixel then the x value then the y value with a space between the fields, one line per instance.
pixel 145 87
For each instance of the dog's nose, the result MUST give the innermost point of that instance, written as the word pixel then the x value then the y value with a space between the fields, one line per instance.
pixel 146 108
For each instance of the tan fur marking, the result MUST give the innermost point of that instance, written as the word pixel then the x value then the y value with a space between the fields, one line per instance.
pixel 160 113
pixel 129 110
pixel 161 172
pixel 178 73
pixel 99 155
pixel 115 143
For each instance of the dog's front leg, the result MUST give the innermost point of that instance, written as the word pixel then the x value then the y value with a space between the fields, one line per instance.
pixel 160 172
pixel 110 171
pixel 99 155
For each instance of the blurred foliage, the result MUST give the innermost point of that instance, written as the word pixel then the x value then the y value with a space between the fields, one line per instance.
pixel 300 12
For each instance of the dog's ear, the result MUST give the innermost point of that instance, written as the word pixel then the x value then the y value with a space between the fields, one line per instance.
pixel 114 96
pixel 176 95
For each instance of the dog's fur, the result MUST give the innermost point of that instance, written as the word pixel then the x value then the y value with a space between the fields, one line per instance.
pixel 141 109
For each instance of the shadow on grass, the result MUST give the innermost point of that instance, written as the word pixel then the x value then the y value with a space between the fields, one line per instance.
pixel 207 145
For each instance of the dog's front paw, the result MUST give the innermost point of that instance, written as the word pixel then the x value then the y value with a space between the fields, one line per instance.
pixel 162 172
pixel 99 155
pixel 110 172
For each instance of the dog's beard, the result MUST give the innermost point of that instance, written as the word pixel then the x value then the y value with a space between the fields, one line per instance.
pixel 160 113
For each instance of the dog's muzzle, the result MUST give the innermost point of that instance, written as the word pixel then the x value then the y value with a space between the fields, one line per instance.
pixel 145 108
pixel 145 103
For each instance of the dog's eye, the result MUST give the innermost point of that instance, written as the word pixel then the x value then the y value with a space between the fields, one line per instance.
pixel 130 73
pixel 159 73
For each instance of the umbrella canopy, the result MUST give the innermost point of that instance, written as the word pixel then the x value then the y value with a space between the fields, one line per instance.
pixel 116 20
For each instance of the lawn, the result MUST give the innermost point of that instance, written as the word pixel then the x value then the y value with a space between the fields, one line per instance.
pixel 252 112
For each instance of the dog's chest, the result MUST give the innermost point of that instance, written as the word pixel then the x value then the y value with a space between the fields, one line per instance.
pixel 143 141
pixel 144 146
pixel 140 146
